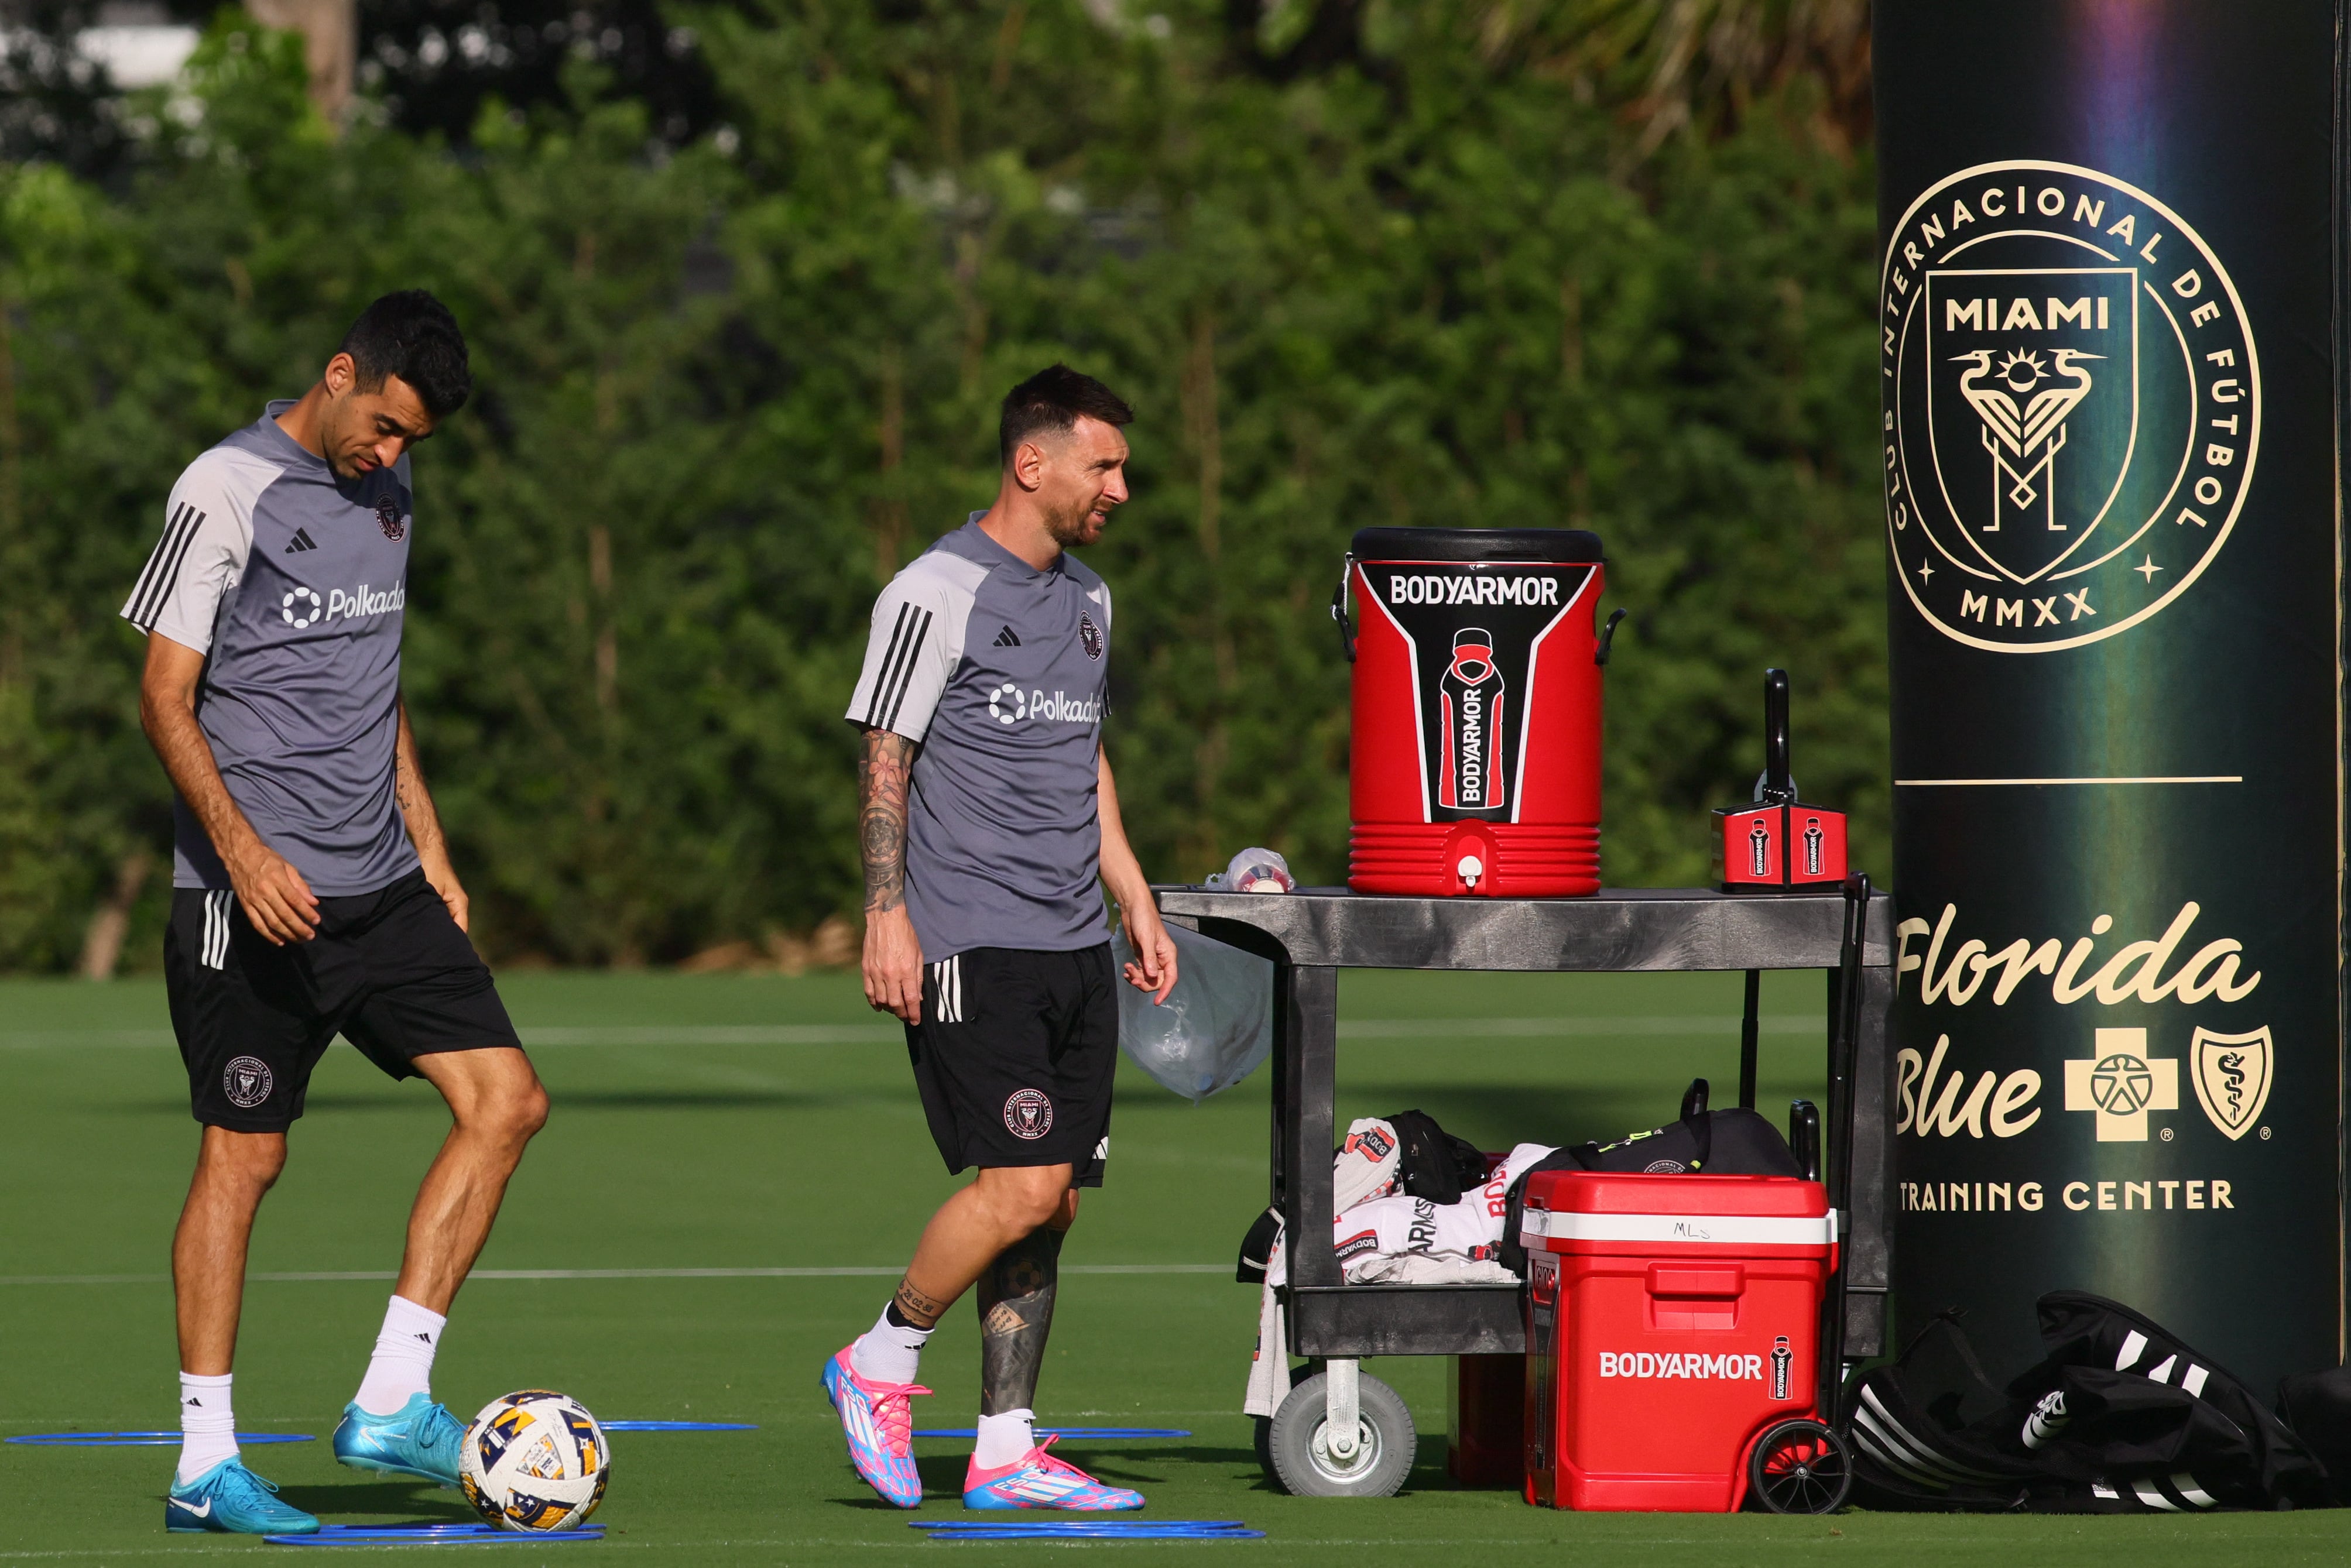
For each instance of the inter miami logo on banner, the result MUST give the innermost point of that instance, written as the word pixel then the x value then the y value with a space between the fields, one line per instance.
pixel 2073 406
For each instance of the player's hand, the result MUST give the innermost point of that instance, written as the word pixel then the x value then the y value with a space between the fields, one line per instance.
pixel 272 895
pixel 442 879
pixel 893 964
pixel 1153 968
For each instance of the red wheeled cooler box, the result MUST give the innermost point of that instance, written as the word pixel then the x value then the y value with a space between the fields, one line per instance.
pixel 1475 757
pixel 1673 1335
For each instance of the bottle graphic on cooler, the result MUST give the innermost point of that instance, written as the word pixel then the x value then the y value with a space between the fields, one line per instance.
pixel 1814 837
pixel 1782 1358
pixel 1469 699
pixel 1758 849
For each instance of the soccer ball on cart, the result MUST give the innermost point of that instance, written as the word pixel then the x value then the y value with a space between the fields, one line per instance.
pixel 535 1462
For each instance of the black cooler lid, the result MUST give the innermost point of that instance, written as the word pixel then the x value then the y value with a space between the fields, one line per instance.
pixel 1477 544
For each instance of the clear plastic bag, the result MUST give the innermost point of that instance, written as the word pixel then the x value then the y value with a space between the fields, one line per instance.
pixel 1216 1027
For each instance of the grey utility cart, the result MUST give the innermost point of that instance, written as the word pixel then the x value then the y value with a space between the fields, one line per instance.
pixel 1353 1435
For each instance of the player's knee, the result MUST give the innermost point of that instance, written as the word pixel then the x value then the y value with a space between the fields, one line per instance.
pixel 248 1161
pixel 509 1113
pixel 524 1112
pixel 1033 1198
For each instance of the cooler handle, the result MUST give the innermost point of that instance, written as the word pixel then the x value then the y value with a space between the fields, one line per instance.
pixel 1339 607
pixel 1608 638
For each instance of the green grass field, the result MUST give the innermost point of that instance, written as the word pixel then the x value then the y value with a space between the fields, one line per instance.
pixel 766 1123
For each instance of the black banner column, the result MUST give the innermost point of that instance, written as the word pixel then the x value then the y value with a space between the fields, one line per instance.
pixel 2109 369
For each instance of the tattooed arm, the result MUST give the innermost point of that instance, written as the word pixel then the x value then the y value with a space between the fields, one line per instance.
pixel 425 823
pixel 894 957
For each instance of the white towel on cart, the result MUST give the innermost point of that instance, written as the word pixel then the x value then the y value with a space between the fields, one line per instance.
pixel 1398 1240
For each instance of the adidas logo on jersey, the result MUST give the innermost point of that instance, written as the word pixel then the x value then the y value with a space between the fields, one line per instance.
pixel 302 542
pixel 1006 639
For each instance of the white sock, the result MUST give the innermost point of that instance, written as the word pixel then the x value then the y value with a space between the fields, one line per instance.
pixel 1005 1439
pixel 402 1362
pixel 207 1423
pixel 888 1351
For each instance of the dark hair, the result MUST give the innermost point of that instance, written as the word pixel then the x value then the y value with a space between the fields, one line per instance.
pixel 1052 399
pixel 413 336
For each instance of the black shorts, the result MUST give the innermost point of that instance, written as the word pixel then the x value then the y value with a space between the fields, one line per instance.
pixel 1015 1056
pixel 388 970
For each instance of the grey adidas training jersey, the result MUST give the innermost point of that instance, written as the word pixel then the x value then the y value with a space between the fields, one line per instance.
pixel 1001 671
pixel 293 584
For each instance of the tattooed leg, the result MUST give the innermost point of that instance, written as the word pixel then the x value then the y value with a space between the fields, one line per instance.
pixel 922 1311
pixel 1016 1313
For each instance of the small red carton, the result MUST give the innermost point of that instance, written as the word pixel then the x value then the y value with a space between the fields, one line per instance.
pixel 1671 1319
pixel 1771 848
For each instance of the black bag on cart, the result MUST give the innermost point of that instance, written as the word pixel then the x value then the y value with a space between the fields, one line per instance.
pixel 1432 1163
pixel 1731 1141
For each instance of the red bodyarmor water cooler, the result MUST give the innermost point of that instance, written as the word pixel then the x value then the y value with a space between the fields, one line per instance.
pixel 1476 748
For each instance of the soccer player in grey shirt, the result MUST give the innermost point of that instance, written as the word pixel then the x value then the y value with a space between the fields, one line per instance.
pixel 991 824
pixel 312 891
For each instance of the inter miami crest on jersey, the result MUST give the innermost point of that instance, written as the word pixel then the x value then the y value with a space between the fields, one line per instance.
pixel 387 514
pixel 2073 406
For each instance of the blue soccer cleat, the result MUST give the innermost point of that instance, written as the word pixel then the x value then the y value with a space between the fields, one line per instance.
pixel 420 1439
pixel 1038 1479
pixel 878 1424
pixel 232 1500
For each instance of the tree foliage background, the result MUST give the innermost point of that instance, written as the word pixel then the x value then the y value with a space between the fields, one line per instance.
pixel 1593 263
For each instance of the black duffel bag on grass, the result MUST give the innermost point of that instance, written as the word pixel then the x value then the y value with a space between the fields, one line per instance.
pixel 2120 1416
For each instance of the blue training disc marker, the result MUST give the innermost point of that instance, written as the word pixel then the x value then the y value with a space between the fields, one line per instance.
pixel 1074 1433
pixel 680 1426
pixel 144 1439
pixel 1095 1525
pixel 432 1535
pixel 1075 1529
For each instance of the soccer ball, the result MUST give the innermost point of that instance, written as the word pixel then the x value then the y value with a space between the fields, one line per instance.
pixel 535 1462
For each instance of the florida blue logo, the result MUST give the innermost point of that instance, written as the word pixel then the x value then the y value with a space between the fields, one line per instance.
pixel 2072 405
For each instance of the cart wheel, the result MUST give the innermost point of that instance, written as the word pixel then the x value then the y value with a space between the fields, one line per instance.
pixel 1298 1441
pixel 1799 1467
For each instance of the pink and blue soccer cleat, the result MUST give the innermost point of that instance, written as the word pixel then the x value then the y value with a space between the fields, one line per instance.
pixel 1040 1480
pixel 879 1426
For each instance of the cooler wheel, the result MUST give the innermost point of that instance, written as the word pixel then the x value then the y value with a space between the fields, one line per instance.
pixel 1298 1442
pixel 1799 1467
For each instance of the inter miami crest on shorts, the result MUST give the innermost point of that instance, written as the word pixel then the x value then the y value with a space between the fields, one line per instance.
pixel 1028 1114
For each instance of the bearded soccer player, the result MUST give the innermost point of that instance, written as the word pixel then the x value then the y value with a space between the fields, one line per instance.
pixel 312 893
pixel 989 824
